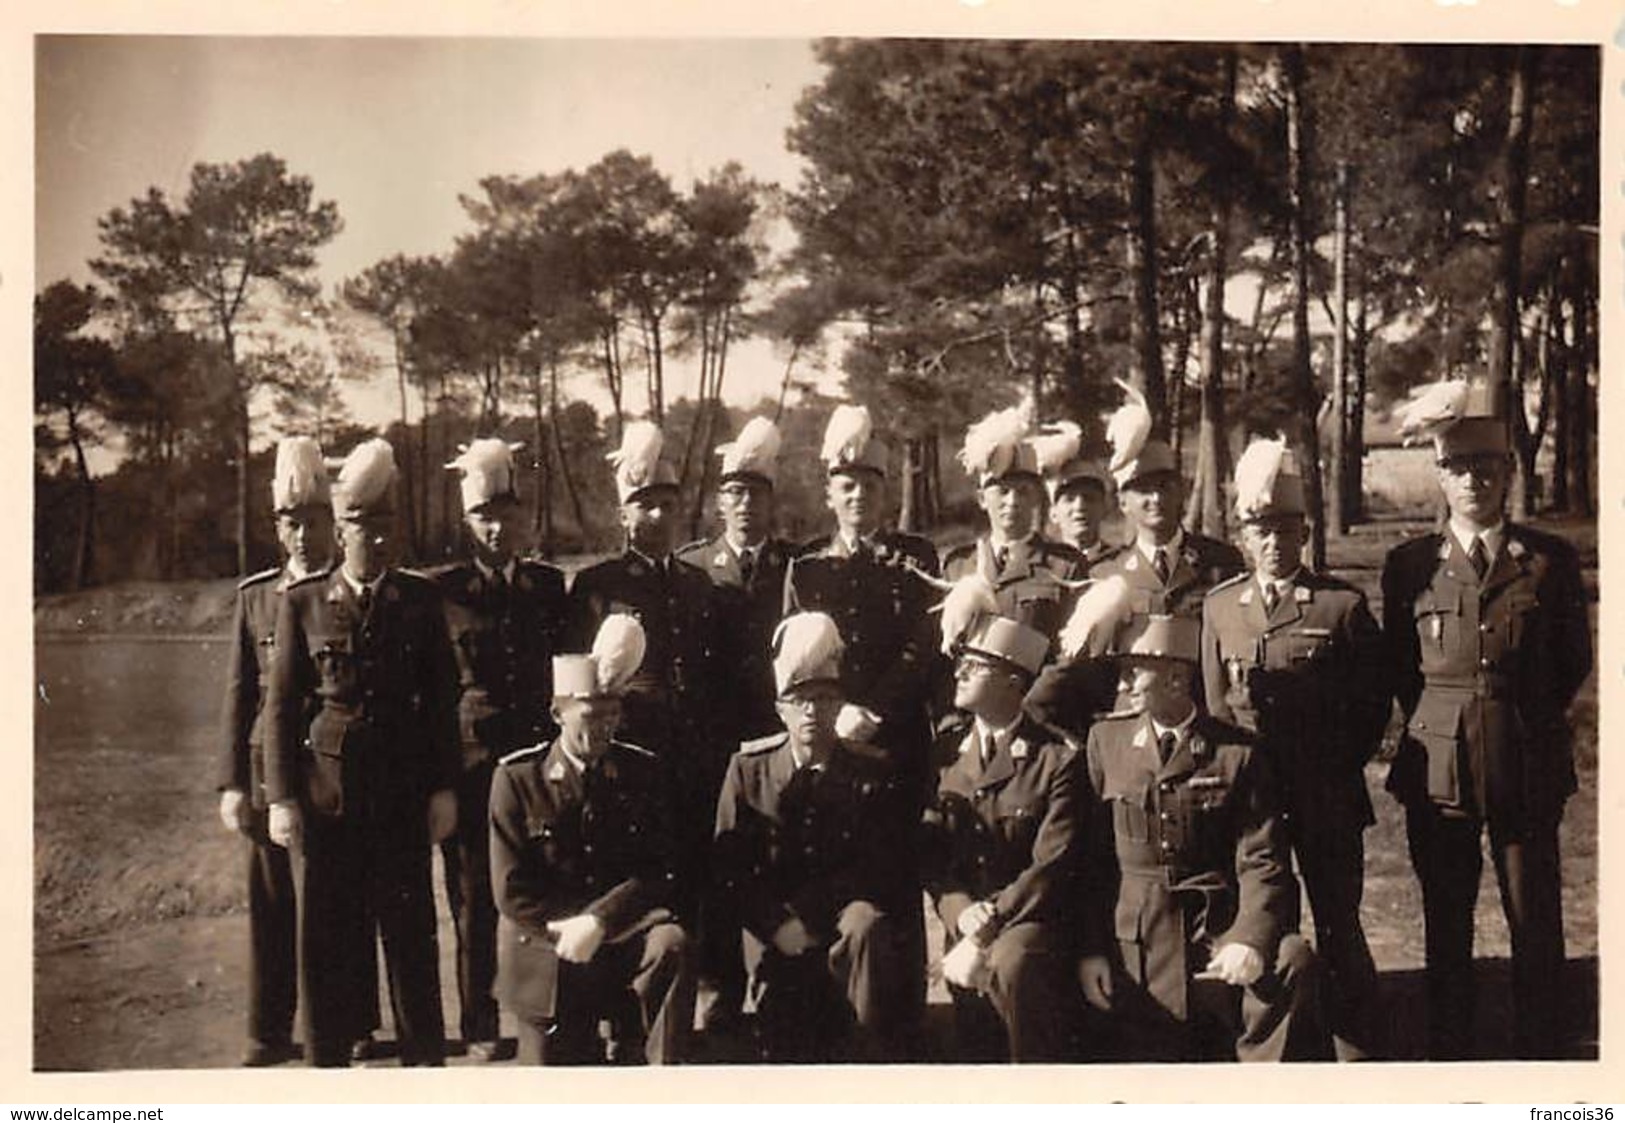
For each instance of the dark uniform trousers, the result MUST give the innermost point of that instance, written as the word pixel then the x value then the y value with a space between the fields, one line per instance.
pixel 1308 677
pixel 378 681
pixel 1071 696
pixel 1485 671
pixel 748 608
pixel 504 627
pixel 1005 830
pixel 272 911
pixel 881 606
pixel 566 843
pixel 822 844
pixel 1201 861
pixel 671 705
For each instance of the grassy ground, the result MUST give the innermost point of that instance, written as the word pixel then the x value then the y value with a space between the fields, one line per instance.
pixel 139 895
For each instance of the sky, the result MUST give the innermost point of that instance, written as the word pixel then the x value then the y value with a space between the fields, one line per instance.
pixel 393 129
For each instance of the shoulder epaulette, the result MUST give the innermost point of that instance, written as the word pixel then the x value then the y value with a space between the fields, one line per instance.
pixel 417 574
pixel 813 545
pixel 1236 579
pixel 441 572
pixel 763 744
pixel 635 749
pixel 321 575
pixel 520 754
pixel 694 546
pixel 256 578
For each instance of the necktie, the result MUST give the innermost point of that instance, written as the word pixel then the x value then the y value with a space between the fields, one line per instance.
pixel 1001 557
pixel 1480 557
pixel 1165 746
pixel 364 599
pixel 747 565
pixel 1272 597
pixel 990 748
pixel 1159 564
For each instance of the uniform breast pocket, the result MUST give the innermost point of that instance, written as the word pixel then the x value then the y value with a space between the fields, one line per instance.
pixel 1130 819
pixel 1306 645
pixel 1018 825
pixel 1522 614
pixel 1438 631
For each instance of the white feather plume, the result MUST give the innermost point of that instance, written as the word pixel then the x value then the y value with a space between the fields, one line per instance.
pixel 487 467
pixel 971 598
pixel 301 474
pixel 1057 443
pixel 617 651
pixel 803 643
pixel 990 444
pixel 754 450
pixel 1102 609
pixel 1129 427
pixel 847 434
pixel 1256 472
pixel 1432 408
pixel 641 443
pixel 366 474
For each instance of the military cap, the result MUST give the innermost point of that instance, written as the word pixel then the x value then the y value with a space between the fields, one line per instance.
pixel 639 467
pixel 488 471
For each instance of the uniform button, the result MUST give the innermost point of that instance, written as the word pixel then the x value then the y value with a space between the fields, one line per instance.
pixel 1483 627
pixel 1166 817
pixel 1168 786
pixel 1485 663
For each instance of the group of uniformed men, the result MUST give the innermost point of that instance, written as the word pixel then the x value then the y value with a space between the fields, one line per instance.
pixel 738 763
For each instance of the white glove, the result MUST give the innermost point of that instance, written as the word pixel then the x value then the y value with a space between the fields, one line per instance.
pixel 234 810
pixel 975 918
pixel 966 966
pixel 856 723
pixel 442 815
pixel 578 937
pixel 1236 964
pixel 283 825
pixel 1095 976
pixel 792 938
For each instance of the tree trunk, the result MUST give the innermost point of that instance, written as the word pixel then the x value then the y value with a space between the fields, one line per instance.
pixel 612 376
pixel 1207 513
pixel 1580 402
pixel 1307 443
pixel 406 487
pixel 1337 488
pixel 564 461
pixel 87 507
pixel 1146 333
pixel 1509 211
pixel 908 499
pixel 1189 315
pixel 1356 451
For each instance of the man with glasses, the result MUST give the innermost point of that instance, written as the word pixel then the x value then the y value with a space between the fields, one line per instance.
pixel 1003 838
pixel 1295 656
pixel 1487 631
pixel 809 840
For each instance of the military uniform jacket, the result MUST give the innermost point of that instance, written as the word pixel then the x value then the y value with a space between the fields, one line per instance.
pixel 807 842
pixel 747 612
pixel 668 703
pixel 1010 831
pixel 1200 564
pixel 564 844
pixel 362 711
pixel 241 764
pixel 503 635
pixel 1199 850
pixel 1310 679
pixel 1030 586
pixel 882 610
pixel 1485 672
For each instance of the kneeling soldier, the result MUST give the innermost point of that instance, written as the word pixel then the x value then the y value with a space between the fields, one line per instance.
pixel 583 865
pixel 1207 963
pixel 1002 843
pixel 808 845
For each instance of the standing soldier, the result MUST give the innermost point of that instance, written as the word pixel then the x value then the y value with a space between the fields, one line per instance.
pixel 1079 490
pixel 583 860
pixel 1166 569
pixel 868 580
pixel 1207 963
pixel 1489 641
pixel 1029 573
pixel 1003 843
pixel 503 615
pixel 361 772
pixel 807 845
pixel 669 705
pixel 1295 656
pixel 746 565
pixel 304 527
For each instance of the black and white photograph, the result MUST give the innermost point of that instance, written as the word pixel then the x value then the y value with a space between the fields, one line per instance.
pixel 818 550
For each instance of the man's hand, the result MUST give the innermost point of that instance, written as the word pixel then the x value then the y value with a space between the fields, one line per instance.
pixel 1095 976
pixel 234 810
pixel 791 938
pixel 442 815
pixel 579 937
pixel 975 918
pixel 283 824
pixel 1236 964
pixel 856 723
pixel 966 966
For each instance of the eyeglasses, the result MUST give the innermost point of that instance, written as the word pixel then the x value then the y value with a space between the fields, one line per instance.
pixel 966 668
pixel 808 705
